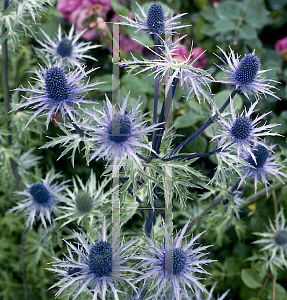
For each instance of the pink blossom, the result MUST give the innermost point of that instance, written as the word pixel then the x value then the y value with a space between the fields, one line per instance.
pixel 77 11
pixel 202 61
pixel 281 47
pixel 66 7
pixel 127 44
pixel 78 17
pixel 181 54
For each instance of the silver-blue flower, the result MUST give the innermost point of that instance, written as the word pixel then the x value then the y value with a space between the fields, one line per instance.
pixel 262 167
pixel 241 131
pixel 94 266
pixel 155 21
pixel 66 48
pixel 117 134
pixel 245 74
pixel 186 262
pixel 55 91
pixel 41 200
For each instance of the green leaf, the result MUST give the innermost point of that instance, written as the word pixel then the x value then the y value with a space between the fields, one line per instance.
pixel 256 14
pixel 229 10
pixel 224 25
pixel 222 96
pixel 247 32
pixel 187 119
pixel 280 292
pixel 209 14
pixel 250 278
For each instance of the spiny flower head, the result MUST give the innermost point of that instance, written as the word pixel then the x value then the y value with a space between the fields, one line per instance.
pixel 66 48
pixel 245 74
pixel 41 200
pixel 57 92
pixel 118 135
pixel 242 132
pixel 96 266
pixel 155 18
pixel 186 260
pixel 85 201
pixel 155 21
pixel 276 240
pixel 262 166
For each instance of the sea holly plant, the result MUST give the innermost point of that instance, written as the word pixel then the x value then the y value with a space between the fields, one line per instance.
pixel 113 232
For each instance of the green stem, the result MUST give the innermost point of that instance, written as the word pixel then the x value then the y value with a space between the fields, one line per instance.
pixel 7 100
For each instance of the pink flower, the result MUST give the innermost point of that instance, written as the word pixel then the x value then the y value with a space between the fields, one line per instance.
pixel 66 7
pixel 77 11
pixel 181 54
pixel 202 61
pixel 281 47
pixel 127 44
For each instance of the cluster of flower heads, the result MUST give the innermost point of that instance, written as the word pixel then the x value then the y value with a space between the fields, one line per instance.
pixel 243 134
pixel 96 265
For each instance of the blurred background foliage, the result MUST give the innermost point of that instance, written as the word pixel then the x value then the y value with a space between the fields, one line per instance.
pixel 244 26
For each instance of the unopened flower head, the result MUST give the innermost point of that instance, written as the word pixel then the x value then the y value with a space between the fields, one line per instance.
pixel 95 266
pixel 186 261
pixel 118 135
pixel 276 240
pixel 241 131
pixel 85 201
pixel 66 48
pixel 41 200
pixel 155 21
pixel 57 92
pixel 245 74
pixel 262 166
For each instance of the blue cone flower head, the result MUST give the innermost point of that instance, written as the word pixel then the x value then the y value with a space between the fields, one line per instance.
pixel 242 132
pixel 118 135
pixel 187 260
pixel 67 49
pixel 95 266
pixel 41 200
pixel 245 74
pixel 57 92
pixel 276 240
pixel 262 167
pixel 155 21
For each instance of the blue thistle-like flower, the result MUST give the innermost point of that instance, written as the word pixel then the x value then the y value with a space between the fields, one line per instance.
pixel 57 91
pixel 117 134
pixel 186 261
pixel 245 74
pixel 240 131
pixel 276 240
pixel 41 200
pixel 155 21
pixel 100 265
pixel 66 49
pixel 262 166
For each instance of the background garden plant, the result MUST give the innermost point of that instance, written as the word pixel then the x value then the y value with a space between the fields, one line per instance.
pixel 186 147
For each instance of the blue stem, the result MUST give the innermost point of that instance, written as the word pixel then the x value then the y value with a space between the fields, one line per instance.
pixel 156 89
pixel 205 125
